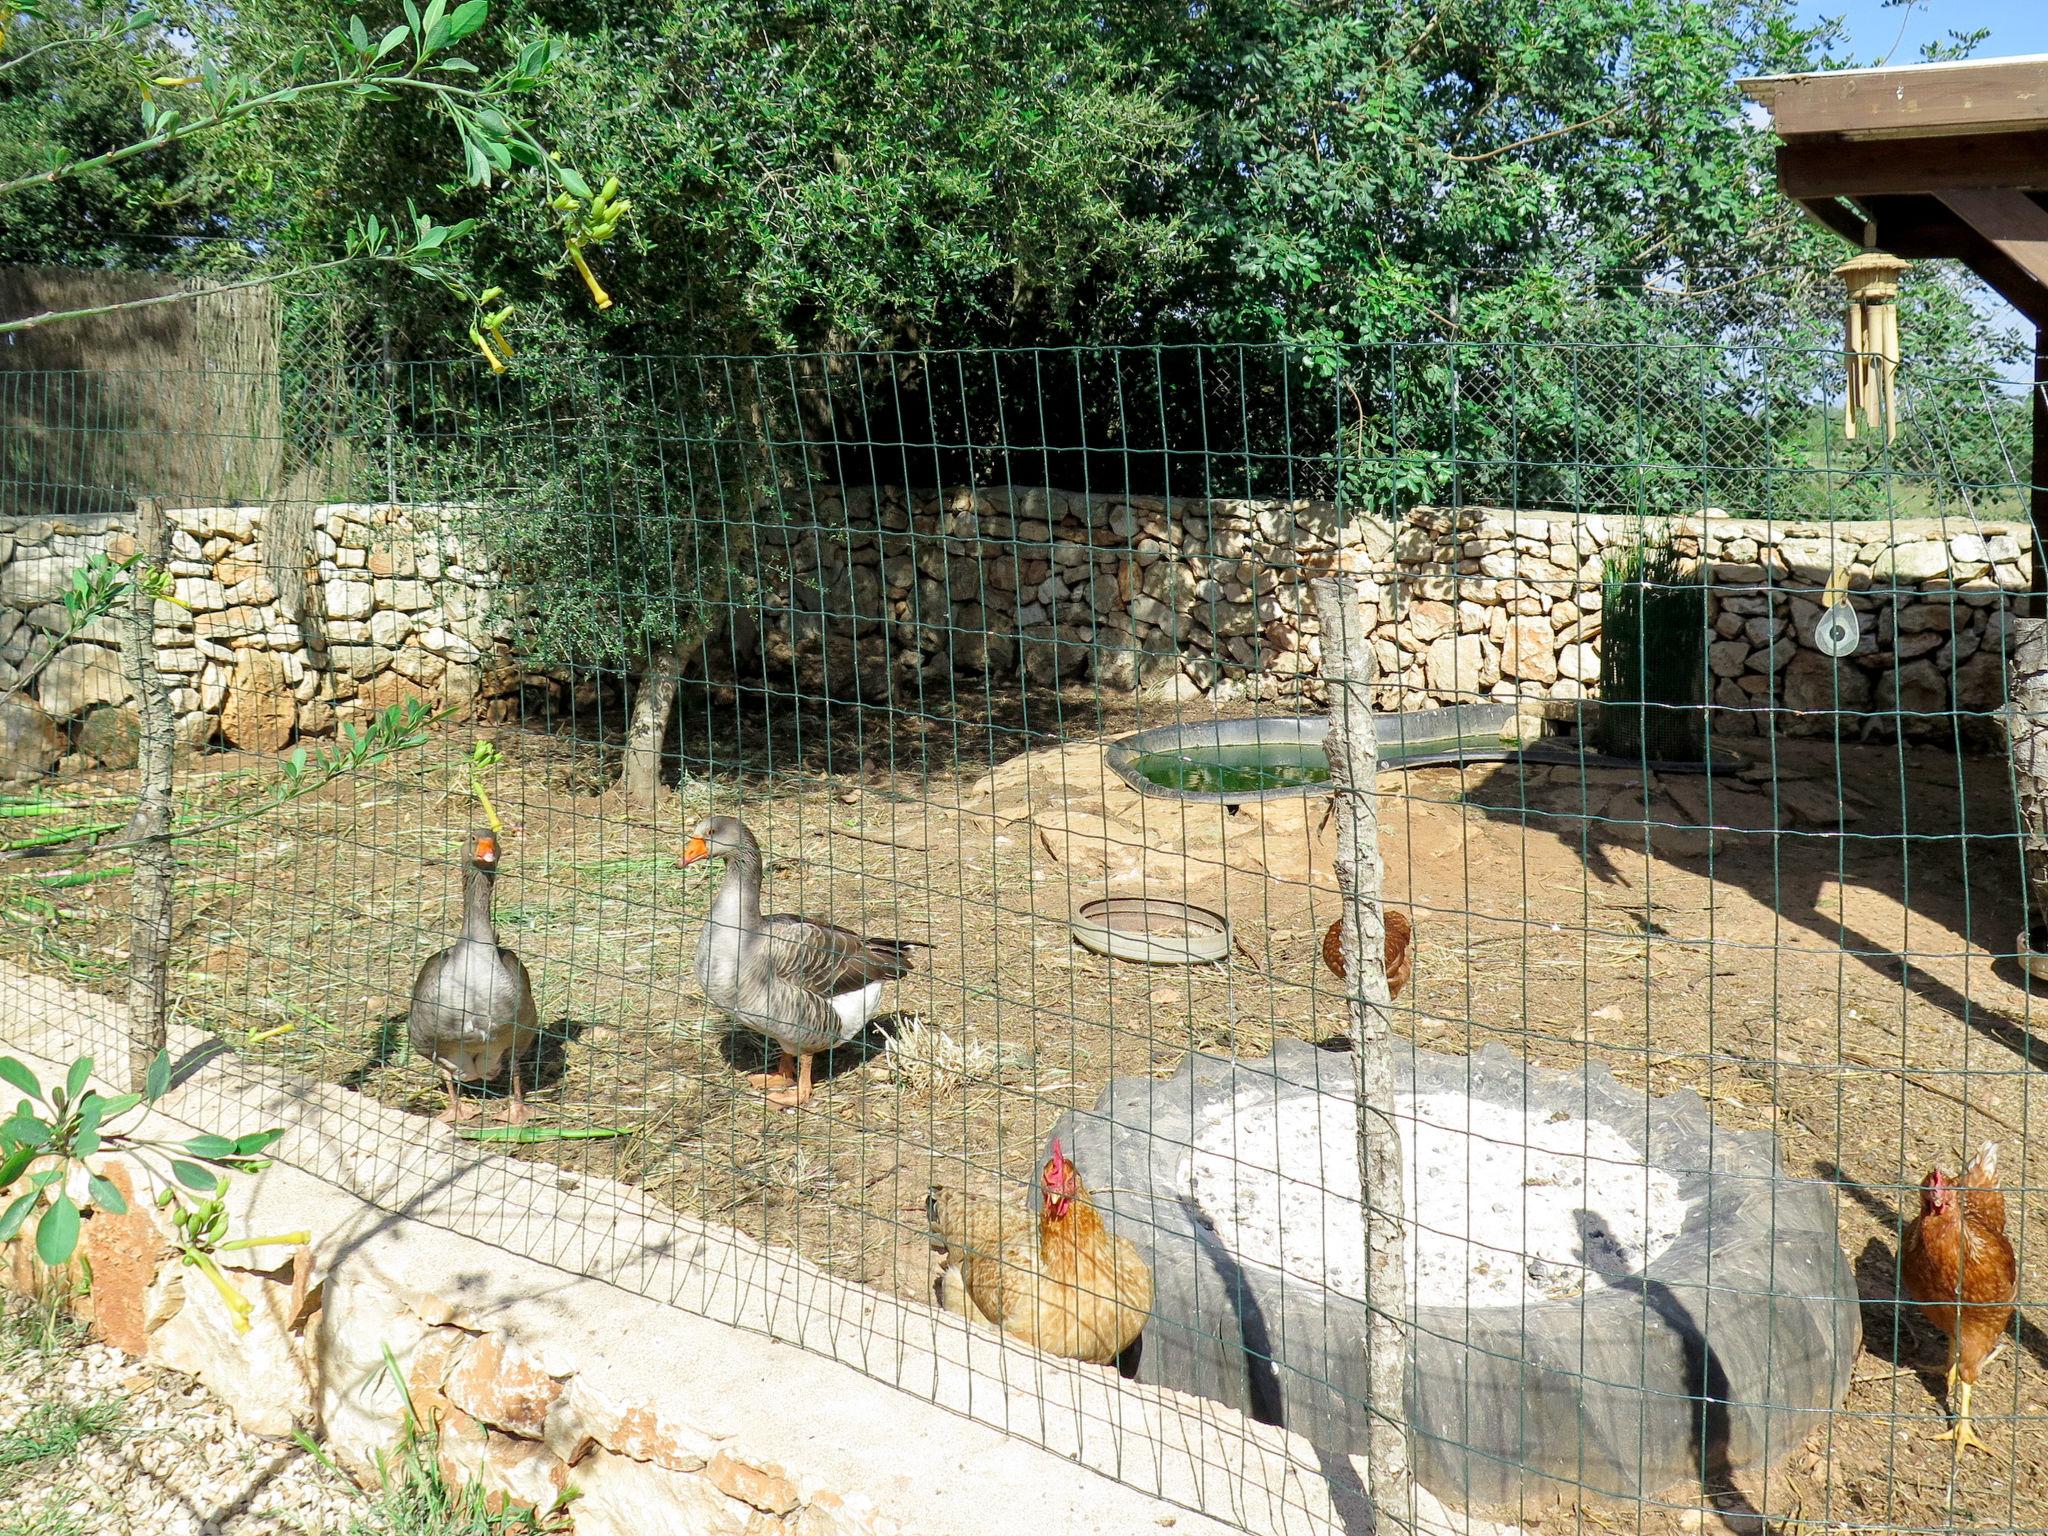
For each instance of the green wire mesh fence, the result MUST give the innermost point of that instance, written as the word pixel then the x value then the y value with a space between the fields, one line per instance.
pixel 971 641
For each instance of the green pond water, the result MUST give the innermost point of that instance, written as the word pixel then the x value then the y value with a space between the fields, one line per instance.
pixel 1254 766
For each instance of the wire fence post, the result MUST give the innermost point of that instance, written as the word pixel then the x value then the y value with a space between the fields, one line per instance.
pixel 149 928
pixel 1352 745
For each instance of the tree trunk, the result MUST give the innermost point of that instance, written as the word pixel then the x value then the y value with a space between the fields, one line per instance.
pixel 654 705
pixel 2027 736
pixel 1353 748
pixel 149 926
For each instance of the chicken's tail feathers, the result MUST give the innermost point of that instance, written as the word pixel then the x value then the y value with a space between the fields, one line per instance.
pixel 1984 1165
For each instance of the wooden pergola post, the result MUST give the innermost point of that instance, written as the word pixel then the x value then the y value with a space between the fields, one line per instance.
pixel 1939 162
pixel 1949 161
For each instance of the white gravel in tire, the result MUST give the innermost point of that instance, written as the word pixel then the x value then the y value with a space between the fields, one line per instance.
pixel 174 1465
pixel 1506 1208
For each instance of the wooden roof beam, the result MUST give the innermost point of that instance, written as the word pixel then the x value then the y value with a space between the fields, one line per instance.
pixel 2015 227
pixel 1972 96
pixel 1835 167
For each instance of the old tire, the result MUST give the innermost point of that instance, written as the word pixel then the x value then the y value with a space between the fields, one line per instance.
pixel 1734 1343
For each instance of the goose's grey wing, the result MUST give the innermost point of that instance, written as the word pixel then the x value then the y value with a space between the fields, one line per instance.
pixel 827 960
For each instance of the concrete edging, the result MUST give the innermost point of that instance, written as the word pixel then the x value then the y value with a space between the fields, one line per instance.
pixel 769 1397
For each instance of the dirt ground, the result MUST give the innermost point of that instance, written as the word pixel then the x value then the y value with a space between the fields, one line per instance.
pixel 1828 972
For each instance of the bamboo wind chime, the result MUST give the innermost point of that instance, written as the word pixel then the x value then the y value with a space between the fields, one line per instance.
pixel 1871 348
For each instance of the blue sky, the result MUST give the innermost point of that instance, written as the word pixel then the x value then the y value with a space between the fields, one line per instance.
pixel 2017 26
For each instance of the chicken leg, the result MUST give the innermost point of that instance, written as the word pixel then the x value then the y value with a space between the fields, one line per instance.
pixel 783 1075
pixel 797 1097
pixel 1960 1431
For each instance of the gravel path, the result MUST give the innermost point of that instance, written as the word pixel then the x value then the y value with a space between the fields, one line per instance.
pixel 157 1453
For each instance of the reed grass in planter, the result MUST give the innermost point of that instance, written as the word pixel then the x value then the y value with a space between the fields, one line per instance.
pixel 1653 654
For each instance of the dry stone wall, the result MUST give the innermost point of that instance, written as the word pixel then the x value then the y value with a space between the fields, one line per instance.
pixel 399 606
pixel 885 594
pixel 1211 597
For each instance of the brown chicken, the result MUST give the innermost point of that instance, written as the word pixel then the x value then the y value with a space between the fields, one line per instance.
pixel 1400 950
pixel 1957 1263
pixel 1059 1281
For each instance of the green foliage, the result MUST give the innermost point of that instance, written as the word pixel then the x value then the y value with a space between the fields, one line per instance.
pixel 232 75
pixel 1653 652
pixel 54 1129
pixel 50 1431
pixel 414 1496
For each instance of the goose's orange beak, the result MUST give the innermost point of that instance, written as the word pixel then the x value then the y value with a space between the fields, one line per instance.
pixel 694 850
pixel 487 850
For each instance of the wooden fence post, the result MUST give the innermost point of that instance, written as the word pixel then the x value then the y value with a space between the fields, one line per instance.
pixel 149 924
pixel 2027 741
pixel 1348 671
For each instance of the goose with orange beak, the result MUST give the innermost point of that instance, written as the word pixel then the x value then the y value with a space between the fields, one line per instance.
pixel 472 1006
pixel 805 984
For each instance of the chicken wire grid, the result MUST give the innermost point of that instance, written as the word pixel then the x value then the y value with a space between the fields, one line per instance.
pixel 906 600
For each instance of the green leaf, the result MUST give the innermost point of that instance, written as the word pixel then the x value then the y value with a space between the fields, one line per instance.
pixel 57 1232
pixel 106 1197
pixel 15 1075
pixel 16 1214
pixel 13 1164
pixel 159 1078
pixel 390 40
pixel 468 17
pixel 193 1177
pixel 210 1146
pixel 358 34
pixel 75 1081
pixel 115 1107
pixel 573 182
pixel 249 1146
pixel 26 1130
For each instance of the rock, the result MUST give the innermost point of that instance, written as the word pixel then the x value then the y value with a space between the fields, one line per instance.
pixel 349 598
pixel 1907 565
pixel 1580 663
pixel 1815 804
pixel 260 712
pixel 1811 682
pixel 500 1385
pixel 230 624
pixel 1919 618
pixel 766 1488
pixel 1981 682
pixel 30 743
pixel 1726 657
pixel 1528 652
pixel 1426 621
pixel 389 628
pixel 1915 689
pixel 123 1252
pixel 1455 665
pixel 80 677
pixel 619 1496
pixel 448 645
pixel 387 689
pixel 261 1374
pixel 1723 803
pixel 111 735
